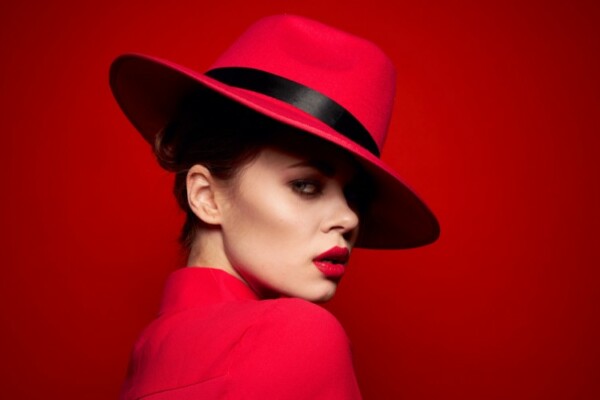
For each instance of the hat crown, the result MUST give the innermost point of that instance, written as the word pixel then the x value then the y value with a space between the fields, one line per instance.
pixel 348 69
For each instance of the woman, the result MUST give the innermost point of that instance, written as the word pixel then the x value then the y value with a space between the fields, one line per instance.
pixel 275 152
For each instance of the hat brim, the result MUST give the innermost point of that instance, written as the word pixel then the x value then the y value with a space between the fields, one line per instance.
pixel 149 90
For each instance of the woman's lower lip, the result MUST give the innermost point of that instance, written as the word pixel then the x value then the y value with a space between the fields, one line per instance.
pixel 329 269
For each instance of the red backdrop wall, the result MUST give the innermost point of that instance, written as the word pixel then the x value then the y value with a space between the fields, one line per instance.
pixel 496 125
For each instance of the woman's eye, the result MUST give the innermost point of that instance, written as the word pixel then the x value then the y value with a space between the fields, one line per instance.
pixel 306 187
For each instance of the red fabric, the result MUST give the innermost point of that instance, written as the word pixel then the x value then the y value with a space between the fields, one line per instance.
pixel 214 339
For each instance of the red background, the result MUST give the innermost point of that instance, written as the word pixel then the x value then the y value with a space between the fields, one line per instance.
pixel 496 125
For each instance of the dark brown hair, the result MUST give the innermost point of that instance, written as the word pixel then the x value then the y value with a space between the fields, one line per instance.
pixel 216 132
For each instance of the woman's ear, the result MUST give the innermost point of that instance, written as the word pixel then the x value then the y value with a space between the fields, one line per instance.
pixel 202 194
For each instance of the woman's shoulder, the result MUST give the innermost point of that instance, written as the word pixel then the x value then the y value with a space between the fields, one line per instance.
pixel 280 314
pixel 278 320
pixel 270 347
pixel 295 328
pixel 295 349
pixel 300 316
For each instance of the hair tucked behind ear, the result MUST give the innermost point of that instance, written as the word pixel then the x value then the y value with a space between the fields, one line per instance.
pixel 216 132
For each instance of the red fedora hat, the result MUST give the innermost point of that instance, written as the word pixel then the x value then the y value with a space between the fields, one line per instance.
pixel 325 82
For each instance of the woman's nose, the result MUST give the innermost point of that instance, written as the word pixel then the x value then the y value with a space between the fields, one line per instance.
pixel 342 218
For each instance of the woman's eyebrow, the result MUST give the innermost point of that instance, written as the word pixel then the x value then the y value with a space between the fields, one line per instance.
pixel 322 166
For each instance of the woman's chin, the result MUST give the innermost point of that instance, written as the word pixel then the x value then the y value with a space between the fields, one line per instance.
pixel 321 294
pixel 316 291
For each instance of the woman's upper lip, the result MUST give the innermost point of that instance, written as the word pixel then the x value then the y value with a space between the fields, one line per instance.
pixel 336 254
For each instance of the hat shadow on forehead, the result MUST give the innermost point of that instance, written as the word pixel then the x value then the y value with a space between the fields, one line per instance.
pixel 320 80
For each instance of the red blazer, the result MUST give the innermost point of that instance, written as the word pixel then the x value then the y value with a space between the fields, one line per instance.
pixel 214 339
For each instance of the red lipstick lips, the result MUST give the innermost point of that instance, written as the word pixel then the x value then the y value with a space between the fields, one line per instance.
pixel 333 262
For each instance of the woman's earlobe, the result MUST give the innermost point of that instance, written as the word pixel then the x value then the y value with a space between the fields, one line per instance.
pixel 201 193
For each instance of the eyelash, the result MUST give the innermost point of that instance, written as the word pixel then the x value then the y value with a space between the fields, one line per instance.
pixel 300 186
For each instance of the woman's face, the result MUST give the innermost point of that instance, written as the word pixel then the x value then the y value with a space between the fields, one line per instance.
pixel 289 222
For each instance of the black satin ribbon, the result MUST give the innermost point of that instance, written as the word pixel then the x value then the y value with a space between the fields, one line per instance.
pixel 306 99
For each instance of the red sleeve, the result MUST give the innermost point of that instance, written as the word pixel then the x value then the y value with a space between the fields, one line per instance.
pixel 295 350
